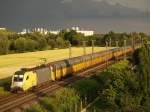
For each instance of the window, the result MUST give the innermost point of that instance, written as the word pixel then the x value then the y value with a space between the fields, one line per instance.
pixel 27 78
pixel 17 78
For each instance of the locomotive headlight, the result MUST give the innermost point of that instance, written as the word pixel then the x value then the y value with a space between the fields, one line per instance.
pixel 20 76
pixel 18 84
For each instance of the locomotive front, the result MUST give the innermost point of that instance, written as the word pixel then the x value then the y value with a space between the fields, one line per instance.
pixel 17 81
pixel 23 80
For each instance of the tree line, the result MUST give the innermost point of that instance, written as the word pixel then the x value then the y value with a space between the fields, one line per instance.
pixel 11 42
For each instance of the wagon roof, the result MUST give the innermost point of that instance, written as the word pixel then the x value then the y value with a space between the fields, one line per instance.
pixel 66 62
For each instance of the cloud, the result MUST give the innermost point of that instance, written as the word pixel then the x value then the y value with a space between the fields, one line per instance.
pixel 98 0
pixel 66 1
pixel 102 15
pixel 142 5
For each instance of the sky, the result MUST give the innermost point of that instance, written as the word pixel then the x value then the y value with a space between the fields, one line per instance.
pixel 143 5
pixel 98 15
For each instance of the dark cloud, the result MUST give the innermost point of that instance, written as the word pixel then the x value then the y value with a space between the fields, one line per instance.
pixel 19 14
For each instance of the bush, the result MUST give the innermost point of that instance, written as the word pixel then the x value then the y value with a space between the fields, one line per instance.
pixel 42 43
pixel 52 43
pixel 36 108
pixel 31 45
pixel 64 101
pixel 143 57
pixel 146 104
pixel 20 44
pixel 60 43
pixel 1 90
pixel 87 88
pixel 121 87
pixel 5 84
pixel 4 44
pixel 49 103
pixel 67 98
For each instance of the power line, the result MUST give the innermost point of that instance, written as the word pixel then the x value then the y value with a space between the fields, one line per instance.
pixel 93 46
pixel 84 47
pixel 110 42
pixel 70 51
pixel 117 46
pixel 125 43
pixel 106 55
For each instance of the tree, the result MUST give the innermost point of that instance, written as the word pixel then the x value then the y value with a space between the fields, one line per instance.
pixel 63 101
pixel 143 60
pixel 73 37
pixel 35 108
pixel 42 43
pixel 77 39
pixel 20 44
pixel 31 45
pixel 12 45
pixel 87 88
pixel 60 42
pixel 67 98
pixel 4 44
pixel 52 43
pixel 109 95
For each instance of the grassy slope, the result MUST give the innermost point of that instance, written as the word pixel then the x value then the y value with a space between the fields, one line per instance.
pixel 12 62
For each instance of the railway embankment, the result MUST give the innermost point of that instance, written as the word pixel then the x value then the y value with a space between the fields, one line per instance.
pixel 118 88
pixel 80 94
pixel 128 89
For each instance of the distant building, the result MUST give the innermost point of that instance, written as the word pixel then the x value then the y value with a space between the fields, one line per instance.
pixel 24 31
pixel 85 32
pixel 40 30
pixel 54 32
pixel 45 31
pixel 2 28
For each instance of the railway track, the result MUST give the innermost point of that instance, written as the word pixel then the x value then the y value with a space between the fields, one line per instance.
pixel 8 104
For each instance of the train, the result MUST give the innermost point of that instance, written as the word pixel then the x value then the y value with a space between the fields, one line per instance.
pixel 27 78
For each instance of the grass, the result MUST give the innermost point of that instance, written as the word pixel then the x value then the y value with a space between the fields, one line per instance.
pixel 13 62
pixel 5 86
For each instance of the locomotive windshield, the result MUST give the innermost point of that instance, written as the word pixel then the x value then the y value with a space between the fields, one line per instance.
pixel 18 77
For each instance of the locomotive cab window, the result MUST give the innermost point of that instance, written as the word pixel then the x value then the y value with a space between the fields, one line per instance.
pixel 18 78
pixel 27 78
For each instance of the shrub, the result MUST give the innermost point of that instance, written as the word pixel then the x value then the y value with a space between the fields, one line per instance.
pixel 4 44
pixel 86 88
pixel 5 83
pixel 36 108
pixel 31 45
pixel 20 44
pixel 67 98
pixel 64 101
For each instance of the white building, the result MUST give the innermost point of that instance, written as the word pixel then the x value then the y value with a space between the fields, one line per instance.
pixel 2 28
pixel 40 30
pixel 24 31
pixel 54 32
pixel 45 31
pixel 85 32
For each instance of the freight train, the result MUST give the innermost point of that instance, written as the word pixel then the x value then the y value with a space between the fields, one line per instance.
pixel 28 78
